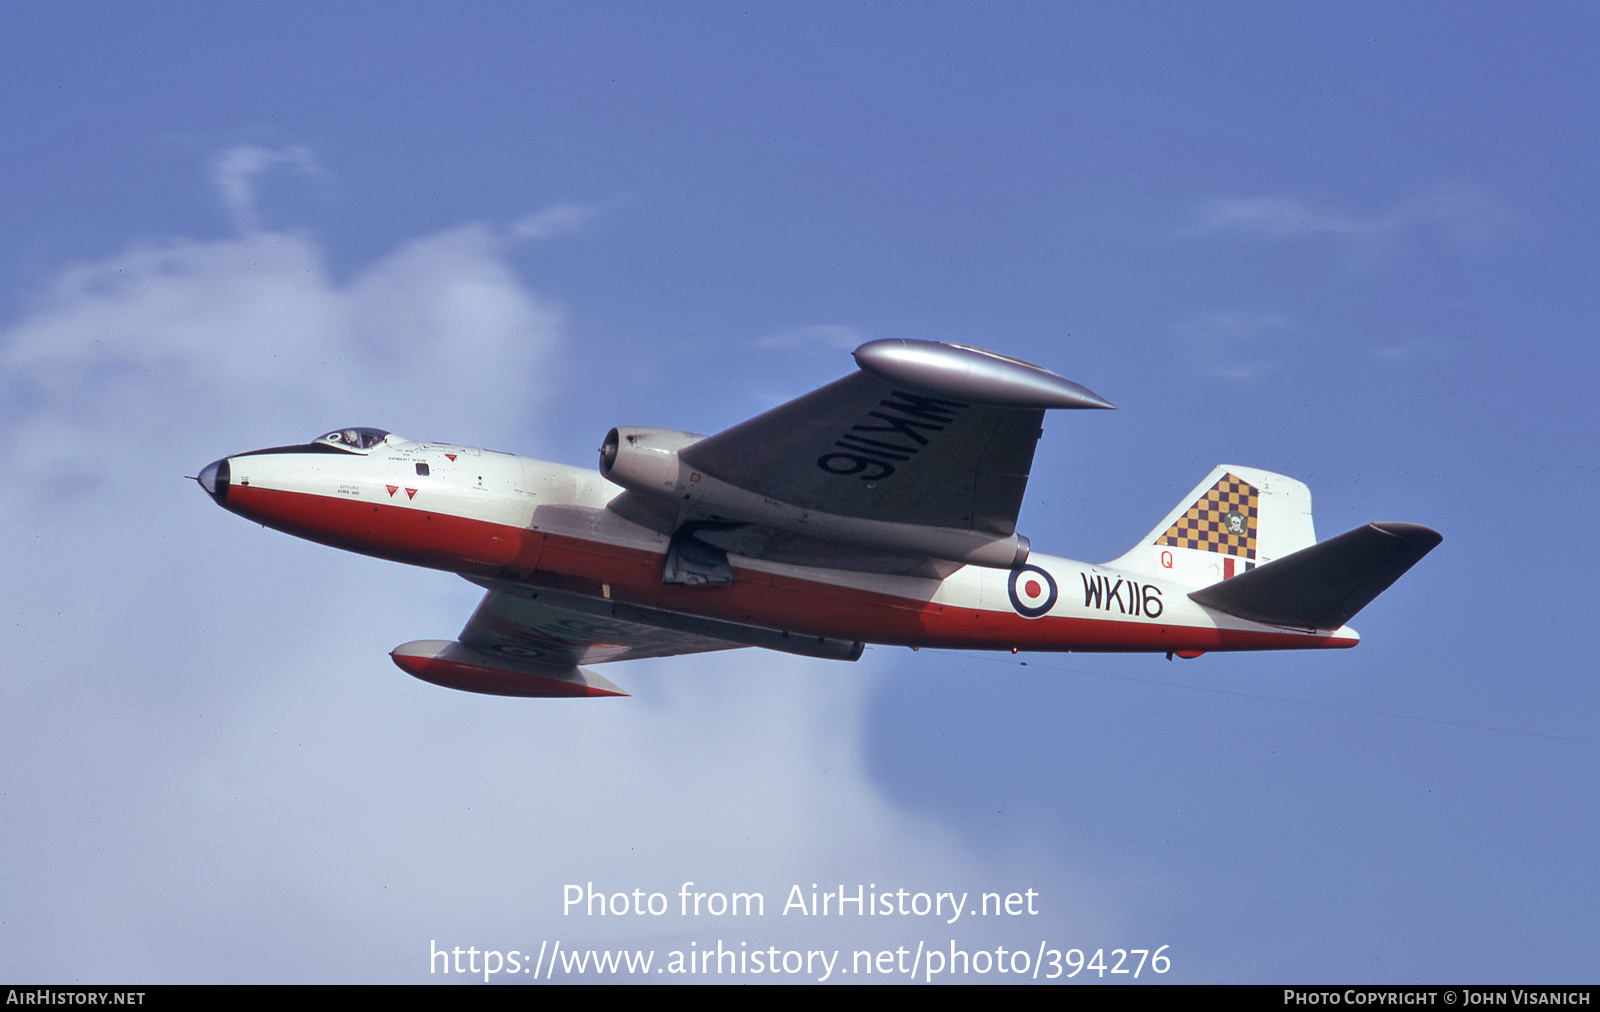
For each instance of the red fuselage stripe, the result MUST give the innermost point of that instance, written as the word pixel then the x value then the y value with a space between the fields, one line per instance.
pixel 484 549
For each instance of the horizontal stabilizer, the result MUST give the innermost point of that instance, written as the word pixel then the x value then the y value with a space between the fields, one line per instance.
pixel 1323 586
pixel 456 666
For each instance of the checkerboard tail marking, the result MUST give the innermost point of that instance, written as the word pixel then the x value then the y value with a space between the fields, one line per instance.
pixel 1223 520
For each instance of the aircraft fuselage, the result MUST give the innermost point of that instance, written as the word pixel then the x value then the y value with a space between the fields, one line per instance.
pixel 498 518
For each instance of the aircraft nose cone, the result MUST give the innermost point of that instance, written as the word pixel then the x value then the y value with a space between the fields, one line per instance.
pixel 214 479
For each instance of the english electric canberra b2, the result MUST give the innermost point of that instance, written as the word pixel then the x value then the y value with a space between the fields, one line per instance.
pixel 880 508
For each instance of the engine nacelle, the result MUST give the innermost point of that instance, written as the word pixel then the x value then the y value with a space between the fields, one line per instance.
pixel 645 460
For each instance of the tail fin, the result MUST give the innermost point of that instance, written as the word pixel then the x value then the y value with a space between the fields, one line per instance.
pixel 1234 520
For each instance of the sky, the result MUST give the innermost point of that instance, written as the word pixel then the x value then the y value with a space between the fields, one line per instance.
pixel 1352 244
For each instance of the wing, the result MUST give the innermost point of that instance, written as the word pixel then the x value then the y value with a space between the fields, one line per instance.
pixel 934 435
pixel 531 628
pixel 525 641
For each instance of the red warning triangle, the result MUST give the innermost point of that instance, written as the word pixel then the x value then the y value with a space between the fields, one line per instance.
pixel 411 493
pixel 452 457
pixel 392 489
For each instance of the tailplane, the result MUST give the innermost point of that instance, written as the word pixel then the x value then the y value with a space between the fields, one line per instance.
pixel 1323 586
pixel 1238 518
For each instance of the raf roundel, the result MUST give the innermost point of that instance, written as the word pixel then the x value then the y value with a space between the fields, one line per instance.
pixel 1032 590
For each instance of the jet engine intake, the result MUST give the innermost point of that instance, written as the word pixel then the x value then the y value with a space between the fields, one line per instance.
pixel 645 460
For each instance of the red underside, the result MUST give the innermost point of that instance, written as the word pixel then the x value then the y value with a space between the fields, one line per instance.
pixel 480 548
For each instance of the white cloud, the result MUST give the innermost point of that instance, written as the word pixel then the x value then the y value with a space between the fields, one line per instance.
pixel 234 173
pixel 554 221
pixel 1460 214
pixel 209 769
pixel 251 337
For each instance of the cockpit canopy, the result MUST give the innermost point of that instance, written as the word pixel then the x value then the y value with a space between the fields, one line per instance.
pixel 357 438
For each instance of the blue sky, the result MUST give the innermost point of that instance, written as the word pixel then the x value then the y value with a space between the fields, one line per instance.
pixel 1353 245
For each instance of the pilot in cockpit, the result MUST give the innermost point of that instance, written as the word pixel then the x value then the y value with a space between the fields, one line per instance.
pixel 359 438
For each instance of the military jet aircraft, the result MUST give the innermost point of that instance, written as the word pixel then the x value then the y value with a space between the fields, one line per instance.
pixel 880 508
